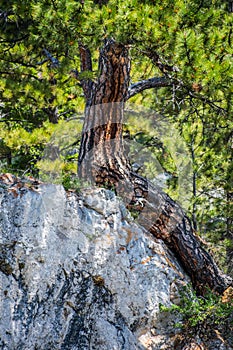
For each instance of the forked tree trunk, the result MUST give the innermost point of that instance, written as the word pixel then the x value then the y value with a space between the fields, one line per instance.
pixel 104 162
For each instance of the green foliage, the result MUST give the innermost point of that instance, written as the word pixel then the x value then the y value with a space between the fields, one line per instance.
pixel 24 147
pixel 71 181
pixel 58 163
pixel 195 311
pixel 156 145
pixel 37 57
pixel 40 90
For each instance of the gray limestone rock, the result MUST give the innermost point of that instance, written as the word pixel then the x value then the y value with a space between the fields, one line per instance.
pixel 77 273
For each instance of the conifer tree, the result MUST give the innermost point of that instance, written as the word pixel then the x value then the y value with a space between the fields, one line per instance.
pixel 185 48
pixel 106 164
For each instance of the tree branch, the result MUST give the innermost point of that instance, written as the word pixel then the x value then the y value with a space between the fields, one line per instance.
pixel 147 84
pixel 155 58
pixel 22 75
pixel 55 62
pixel 85 66
pixel 13 41
pixel 85 58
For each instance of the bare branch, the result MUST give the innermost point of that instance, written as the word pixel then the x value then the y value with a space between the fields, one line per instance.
pixel 55 62
pixel 147 84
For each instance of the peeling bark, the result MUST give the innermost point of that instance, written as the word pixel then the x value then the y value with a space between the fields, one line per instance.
pixel 103 160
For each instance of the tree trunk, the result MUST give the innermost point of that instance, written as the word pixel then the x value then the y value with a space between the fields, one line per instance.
pixel 104 162
pixel 229 231
pixel 102 159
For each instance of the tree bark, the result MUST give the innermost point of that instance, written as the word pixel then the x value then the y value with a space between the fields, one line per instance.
pixel 229 230
pixel 104 162
pixel 102 159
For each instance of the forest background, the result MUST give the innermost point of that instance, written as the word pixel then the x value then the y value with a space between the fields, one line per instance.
pixel 186 43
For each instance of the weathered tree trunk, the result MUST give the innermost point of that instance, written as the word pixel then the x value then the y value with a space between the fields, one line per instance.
pixel 103 160
pixel 229 231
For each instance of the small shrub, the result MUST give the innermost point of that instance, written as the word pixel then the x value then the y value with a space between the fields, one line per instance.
pixel 210 310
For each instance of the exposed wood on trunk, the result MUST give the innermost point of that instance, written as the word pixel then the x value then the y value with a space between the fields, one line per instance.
pixel 102 159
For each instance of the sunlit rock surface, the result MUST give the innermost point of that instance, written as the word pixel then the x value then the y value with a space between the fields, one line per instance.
pixel 77 273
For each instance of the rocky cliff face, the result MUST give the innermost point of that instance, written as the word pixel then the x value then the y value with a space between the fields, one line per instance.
pixel 76 273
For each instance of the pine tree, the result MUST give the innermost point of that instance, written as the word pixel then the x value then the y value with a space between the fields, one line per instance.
pixel 106 164
pixel 185 48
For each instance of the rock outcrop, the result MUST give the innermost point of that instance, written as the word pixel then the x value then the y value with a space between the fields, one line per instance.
pixel 77 273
